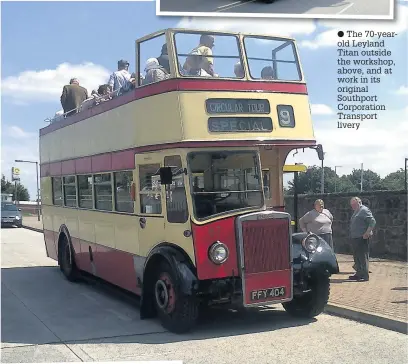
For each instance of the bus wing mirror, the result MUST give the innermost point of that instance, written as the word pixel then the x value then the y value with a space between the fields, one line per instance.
pixel 319 150
pixel 166 175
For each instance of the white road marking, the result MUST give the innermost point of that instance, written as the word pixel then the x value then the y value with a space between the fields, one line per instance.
pixel 238 3
pixel 225 6
pixel 346 8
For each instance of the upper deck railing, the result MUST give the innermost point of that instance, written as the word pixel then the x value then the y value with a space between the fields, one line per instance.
pixel 207 56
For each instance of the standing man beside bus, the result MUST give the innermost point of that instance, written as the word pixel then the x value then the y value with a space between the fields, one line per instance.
pixel 73 95
pixel 362 223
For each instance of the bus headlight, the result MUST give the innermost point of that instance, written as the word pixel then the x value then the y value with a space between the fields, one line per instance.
pixel 218 252
pixel 310 243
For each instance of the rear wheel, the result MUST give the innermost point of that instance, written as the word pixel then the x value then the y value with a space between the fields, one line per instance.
pixel 67 261
pixel 177 312
pixel 312 303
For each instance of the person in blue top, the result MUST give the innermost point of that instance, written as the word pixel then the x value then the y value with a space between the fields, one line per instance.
pixel 362 223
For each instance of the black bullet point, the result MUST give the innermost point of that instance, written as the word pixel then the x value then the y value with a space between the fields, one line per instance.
pixel 340 34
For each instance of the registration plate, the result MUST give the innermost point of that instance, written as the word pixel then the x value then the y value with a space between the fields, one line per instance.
pixel 7 220
pixel 264 294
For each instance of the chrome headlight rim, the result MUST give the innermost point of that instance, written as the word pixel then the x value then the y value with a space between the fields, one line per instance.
pixel 307 247
pixel 212 249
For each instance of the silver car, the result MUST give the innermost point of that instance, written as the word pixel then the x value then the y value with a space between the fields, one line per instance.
pixel 11 215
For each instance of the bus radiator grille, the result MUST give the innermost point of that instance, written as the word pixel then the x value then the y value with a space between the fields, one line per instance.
pixel 266 245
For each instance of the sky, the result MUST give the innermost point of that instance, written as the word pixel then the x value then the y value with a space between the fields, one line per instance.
pixel 44 44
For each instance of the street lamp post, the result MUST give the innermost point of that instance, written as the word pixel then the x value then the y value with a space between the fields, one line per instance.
pixel 335 179
pixel 38 188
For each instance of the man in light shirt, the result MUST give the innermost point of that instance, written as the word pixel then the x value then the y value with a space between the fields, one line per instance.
pixel 120 81
pixel 204 49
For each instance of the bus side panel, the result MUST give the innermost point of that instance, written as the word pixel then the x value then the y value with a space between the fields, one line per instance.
pixel 50 244
pixel 116 267
pixel 50 236
pixel 204 236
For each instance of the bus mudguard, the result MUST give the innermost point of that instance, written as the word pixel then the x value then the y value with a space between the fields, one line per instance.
pixel 321 258
pixel 181 266
pixel 63 230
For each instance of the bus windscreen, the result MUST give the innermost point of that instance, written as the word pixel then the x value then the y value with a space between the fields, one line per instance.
pixel 222 182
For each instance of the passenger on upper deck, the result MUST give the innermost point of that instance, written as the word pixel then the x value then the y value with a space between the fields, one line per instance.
pixel 204 49
pixel 163 59
pixel 194 62
pixel 120 81
pixel 154 72
pixel 267 73
pixel 239 70
pixel 73 95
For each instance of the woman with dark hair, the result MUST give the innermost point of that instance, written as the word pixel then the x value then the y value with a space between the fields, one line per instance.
pixel 318 221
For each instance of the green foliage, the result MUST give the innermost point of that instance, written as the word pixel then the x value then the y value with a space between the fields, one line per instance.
pixel 8 187
pixel 309 182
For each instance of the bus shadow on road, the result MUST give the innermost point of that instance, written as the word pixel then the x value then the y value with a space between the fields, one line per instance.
pixel 40 306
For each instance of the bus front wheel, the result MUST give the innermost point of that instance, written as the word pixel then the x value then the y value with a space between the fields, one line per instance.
pixel 177 312
pixel 67 261
pixel 313 302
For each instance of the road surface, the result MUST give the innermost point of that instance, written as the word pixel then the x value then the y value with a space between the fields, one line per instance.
pixel 47 319
pixel 306 7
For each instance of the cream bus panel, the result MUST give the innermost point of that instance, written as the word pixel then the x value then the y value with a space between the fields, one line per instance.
pixel 171 117
pixel 195 119
pixel 147 121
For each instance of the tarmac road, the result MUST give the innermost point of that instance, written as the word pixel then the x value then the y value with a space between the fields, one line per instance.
pixel 305 7
pixel 47 319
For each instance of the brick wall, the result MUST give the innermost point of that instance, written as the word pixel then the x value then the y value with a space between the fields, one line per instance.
pixel 389 209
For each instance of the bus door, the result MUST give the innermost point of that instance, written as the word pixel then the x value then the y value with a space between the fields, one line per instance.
pixel 177 220
pixel 149 201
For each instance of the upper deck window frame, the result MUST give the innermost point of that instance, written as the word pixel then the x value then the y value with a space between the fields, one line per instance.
pixel 295 53
pixel 173 34
pixel 145 39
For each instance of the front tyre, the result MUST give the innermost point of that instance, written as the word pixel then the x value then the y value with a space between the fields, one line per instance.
pixel 313 302
pixel 177 312
pixel 67 261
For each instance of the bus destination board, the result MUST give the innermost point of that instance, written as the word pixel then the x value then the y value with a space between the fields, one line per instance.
pixel 240 124
pixel 237 106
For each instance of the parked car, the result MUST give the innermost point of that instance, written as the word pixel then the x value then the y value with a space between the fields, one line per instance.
pixel 11 215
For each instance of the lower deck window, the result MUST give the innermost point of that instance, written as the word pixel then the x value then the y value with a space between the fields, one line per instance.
pixel 57 191
pixel 85 191
pixel 123 194
pixel 103 191
pixel 150 189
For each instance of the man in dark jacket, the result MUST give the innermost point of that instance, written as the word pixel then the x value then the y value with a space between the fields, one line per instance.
pixel 362 223
pixel 73 95
pixel 163 59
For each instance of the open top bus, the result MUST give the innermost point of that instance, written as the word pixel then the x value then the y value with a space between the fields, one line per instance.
pixel 174 189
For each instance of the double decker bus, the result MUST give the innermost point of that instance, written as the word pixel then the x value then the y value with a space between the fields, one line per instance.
pixel 174 190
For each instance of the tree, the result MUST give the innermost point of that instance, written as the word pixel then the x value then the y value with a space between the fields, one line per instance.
pixel 8 187
pixel 371 180
pixel 395 180
pixel 311 181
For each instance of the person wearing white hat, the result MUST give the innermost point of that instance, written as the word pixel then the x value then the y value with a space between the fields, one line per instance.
pixel 154 72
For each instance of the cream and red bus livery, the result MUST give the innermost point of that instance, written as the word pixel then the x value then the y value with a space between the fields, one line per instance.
pixel 161 190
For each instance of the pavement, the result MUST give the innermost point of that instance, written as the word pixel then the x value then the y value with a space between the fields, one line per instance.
pixel 315 8
pixel 45 318
pixel 382 301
